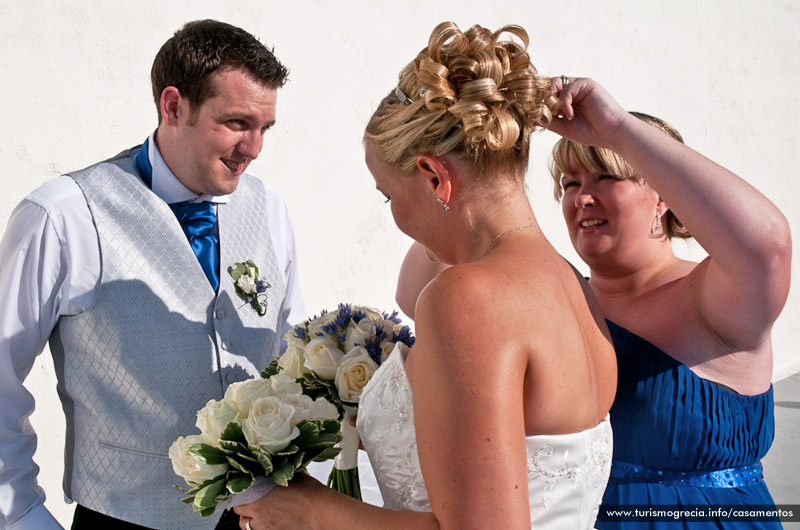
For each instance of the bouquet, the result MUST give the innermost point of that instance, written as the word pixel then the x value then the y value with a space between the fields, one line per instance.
pixel 264 427
pixel 333 356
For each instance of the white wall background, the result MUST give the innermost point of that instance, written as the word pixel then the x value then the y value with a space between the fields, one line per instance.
pixel 74 89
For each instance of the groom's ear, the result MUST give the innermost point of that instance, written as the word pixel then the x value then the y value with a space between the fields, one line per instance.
pixel 438 177
pixel 169 105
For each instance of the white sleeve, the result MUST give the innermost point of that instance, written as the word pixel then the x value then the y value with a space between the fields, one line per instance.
pixel 282 235
pixel 35 290
pixel 37 519
pixel 294 309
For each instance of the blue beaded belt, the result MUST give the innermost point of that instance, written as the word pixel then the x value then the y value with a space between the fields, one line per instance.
pixel 734 477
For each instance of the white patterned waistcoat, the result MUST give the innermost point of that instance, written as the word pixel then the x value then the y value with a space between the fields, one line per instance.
pixel 157 344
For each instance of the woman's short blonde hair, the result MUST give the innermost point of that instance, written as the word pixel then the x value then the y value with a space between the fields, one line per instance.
pixel 599 160
pixel 474 94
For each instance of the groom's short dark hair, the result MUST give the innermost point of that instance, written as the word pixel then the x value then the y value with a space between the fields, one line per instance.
pixel 201 48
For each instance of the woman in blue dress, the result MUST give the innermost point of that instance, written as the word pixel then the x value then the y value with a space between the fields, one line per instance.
pixel 693 414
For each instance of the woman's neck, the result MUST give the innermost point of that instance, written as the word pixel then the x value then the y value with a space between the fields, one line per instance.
pixel 611 281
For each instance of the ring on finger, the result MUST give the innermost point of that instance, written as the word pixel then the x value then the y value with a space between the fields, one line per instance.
pixel 564 81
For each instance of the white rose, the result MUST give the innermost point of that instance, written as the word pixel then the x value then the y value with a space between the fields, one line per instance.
pixel 322 357
pixel 215 416
pixel 315 326
pixel 271 424
pixel 305 408
pixel 372 314
pixel 293 341
pixel 247 284
pixel 284 385
pixel 302 406
pixel 389 327
pixel 186 466
pixel 244 393
pixel 355 371
pixel 323 409
pixel 291 362
pixel 360 333
pixel 387 347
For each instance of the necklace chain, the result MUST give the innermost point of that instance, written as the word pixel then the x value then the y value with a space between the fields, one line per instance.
pixel 498 236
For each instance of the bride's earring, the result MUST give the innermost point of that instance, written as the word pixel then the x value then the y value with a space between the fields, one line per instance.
pixel 443 205
pixel 656 229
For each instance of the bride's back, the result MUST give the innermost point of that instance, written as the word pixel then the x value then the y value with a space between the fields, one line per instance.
pixel 540 315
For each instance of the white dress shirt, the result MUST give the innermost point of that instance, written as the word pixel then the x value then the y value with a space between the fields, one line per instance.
pixel 50 267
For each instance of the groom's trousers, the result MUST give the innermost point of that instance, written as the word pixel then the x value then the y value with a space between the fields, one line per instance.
pixel 86 519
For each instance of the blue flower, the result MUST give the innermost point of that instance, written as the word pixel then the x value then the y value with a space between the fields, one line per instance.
pixel 262 285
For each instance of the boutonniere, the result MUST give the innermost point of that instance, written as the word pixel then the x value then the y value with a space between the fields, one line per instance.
pixel 249 286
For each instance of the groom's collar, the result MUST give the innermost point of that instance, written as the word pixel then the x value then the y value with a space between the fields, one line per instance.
pixel 167 186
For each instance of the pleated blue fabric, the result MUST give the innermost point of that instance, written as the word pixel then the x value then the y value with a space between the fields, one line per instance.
pixel 681 440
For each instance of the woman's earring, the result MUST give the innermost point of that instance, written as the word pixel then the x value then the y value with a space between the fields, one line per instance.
pixel 443 205
pixel 656 230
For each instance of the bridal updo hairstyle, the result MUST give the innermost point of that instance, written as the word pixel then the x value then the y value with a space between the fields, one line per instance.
pixel 602 161
pixel 473 94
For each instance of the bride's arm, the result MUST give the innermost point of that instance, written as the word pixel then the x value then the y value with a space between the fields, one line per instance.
pixel 468 380
pixel 310 505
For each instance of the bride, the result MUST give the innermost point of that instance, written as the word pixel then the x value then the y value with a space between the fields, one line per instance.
pixel 497 418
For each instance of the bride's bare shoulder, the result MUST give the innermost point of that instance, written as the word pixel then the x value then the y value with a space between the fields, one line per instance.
pixel 471 295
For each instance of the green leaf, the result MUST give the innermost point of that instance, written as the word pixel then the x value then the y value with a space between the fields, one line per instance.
pixel 327 454
pixel 270 370
pixel 206 512
pixel 284 474
pixel 309 431
pixel 208 454
pixel 239 464
pixel 233 432
pixel 329 439
pixel 250 463
pixel 264 458
pixel 190 491
pixel 297 459
pixel 289 450
pixel 249 263
pixel 240 484
pixel 207 497
pixel 262 310
pixel 234 447
pixel 331 426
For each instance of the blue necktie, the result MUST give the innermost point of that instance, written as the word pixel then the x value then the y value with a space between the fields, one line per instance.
pixel 198 220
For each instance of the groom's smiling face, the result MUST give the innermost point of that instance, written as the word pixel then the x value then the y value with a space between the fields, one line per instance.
pixel 209 147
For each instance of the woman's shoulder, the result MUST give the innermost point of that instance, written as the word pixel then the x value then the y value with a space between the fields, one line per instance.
pixel 458 292
pixel 491 294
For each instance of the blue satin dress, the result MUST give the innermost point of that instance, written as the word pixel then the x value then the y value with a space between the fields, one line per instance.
pixel 683 441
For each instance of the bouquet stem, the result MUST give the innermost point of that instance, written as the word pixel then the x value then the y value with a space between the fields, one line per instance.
pixel 344 475
pixel 345 481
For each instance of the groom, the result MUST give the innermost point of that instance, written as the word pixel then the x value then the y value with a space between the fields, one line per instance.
pixel 123 268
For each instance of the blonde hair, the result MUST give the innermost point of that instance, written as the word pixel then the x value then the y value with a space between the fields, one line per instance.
pixel 599 160
pixel 470 94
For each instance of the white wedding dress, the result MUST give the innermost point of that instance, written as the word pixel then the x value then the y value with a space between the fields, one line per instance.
pixel 567 473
